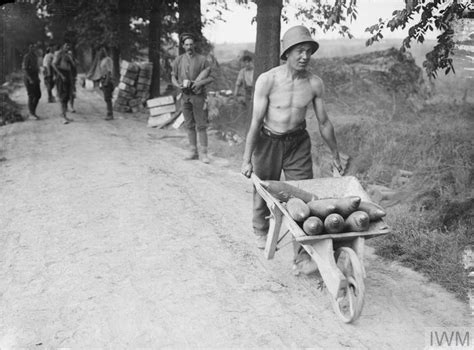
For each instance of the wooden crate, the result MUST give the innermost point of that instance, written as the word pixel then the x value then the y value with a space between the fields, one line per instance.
pixel 143 87
pixel 162 109
pixel 134 102
pixel 121 101
pixel 125 94
pixel 132 75
pixel 159 120
pixel 129 66
pixel 127 88
pixel 144 80
pixel 160 101
pixel 127 81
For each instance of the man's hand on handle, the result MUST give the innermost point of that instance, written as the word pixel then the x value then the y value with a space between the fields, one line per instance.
pixel 246 169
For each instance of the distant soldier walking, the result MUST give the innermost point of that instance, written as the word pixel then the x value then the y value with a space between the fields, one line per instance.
pixel 64 66
pixel 190 73
pixel 106 68
pixel 245 79
pixel 48 72
pixel 31 80
pixel 73 81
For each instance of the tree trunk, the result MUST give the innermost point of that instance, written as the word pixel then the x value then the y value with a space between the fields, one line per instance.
pixel 123 30
pixel 116 60
pixel 267 45
pixel 154 40
pixel 190 20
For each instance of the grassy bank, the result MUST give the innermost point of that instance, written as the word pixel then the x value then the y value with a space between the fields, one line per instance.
pixel 432 223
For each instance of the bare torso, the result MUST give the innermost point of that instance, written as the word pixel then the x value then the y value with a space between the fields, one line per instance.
pixel 288 99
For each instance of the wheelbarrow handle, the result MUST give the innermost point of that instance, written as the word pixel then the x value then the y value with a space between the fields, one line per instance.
pixel 255 178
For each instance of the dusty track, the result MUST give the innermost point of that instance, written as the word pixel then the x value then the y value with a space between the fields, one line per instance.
pixel 108 239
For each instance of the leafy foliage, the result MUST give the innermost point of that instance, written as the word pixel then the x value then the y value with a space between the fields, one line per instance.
pixel 433 15
pixel 31 30
pixel 428 15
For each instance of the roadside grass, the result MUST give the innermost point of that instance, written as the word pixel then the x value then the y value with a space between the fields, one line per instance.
pixel 433 223
pixel 435 252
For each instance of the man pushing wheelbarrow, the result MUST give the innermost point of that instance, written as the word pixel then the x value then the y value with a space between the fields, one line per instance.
pixel 277 140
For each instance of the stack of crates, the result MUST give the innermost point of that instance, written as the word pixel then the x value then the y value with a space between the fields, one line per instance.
pixel 144 81
pixel 162 111
pixel 134 86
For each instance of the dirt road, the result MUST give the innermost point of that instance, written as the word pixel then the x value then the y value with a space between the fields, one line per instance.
pixel 109 240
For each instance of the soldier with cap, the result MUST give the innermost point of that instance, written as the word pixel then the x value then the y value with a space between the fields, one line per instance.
pixel 277 139
pixel 64 66
pixel 32 80
pixel 190 73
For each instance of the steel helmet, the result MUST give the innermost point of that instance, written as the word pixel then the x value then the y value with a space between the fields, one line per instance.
pixel 296 35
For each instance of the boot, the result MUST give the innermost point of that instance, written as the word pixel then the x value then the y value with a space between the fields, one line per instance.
pixel 203 142
pixel 204 157
pixel 110 112
pixel 192 153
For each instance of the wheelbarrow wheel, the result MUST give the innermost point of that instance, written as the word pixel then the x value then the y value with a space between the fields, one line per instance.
pixel 349 304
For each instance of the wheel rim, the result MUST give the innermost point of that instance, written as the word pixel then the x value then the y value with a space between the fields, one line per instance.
pixel 349 305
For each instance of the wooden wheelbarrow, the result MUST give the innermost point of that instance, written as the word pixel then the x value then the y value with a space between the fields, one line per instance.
pixel 339 257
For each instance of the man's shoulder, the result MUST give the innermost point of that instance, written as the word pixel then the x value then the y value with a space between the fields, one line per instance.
pixel 271 73
pixel 315 80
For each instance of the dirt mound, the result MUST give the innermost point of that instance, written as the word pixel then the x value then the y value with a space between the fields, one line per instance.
pixel 381 83
pixel 378 83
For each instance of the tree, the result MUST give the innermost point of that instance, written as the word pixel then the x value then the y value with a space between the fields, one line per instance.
pixel 19 26
pixel 190 21
pixel 267 44
pixel 156 16
pixel 123 29
pixel 433 15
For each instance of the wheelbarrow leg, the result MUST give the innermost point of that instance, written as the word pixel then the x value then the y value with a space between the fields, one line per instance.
pixel 323 254
pixel 276 217
pixel 358 245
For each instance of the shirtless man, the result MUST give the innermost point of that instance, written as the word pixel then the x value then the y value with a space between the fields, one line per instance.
pixel 277 139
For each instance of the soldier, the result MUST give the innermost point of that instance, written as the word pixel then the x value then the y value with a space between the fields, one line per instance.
pixel 106 68
pixel 277 139
pixel 64 67
pixel 48 72
pixel 190 73
pixel 31 79
pixel 245 79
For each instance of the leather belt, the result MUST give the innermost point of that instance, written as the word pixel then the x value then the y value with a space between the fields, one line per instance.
pixel 286 136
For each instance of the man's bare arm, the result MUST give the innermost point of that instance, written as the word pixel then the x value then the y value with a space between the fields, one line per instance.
pixel 260 105
pixel 325 126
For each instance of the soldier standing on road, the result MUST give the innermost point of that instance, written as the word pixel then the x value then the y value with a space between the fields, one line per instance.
pixel 190 73
pixel 48 73
pixel 73 81
pixel 106 68
pixel 245 79
pixel 277 139
pixel 64 66
pixel 31 79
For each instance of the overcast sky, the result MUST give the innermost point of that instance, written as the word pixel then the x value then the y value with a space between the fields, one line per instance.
pixel 238 27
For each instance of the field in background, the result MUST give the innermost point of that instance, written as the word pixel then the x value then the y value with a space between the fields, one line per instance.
pixel 450 87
